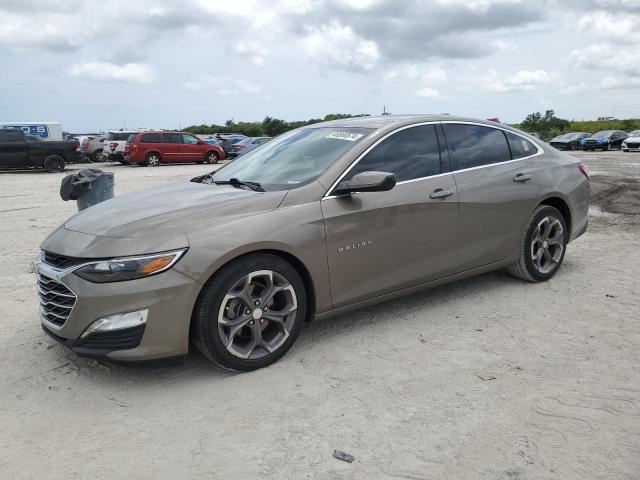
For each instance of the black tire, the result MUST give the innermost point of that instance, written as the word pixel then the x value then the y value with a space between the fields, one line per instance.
pixel 609 147
pixel 212 157
pixel 525 267
pixel 152 159
pixel 204 322
pixel 97 156
pixel 54 164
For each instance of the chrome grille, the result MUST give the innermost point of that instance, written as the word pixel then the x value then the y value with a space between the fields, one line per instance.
pixel 56 300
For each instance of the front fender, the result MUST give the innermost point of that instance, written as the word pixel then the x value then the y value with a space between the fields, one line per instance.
pixel 297 231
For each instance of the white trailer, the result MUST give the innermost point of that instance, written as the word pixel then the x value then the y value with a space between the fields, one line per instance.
pixel 44 130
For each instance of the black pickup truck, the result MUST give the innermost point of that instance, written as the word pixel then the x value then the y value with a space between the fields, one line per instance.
pixel 18 150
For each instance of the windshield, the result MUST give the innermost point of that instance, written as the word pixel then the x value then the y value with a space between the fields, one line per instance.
pixel 294 158
pixel 635 133
pixel 603 134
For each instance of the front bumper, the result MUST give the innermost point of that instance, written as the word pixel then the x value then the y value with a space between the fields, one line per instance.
pixel 168 297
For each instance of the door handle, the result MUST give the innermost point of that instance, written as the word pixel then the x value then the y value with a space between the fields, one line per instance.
pixel 440 193
pixel 521 178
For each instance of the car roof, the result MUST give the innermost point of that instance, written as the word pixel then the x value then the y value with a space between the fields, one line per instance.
pixel 390 121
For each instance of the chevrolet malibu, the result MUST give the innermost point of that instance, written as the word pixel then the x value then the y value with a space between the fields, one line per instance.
pixel 318 221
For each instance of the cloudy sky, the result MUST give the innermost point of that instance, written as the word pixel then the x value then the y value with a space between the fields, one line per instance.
pixel 102 64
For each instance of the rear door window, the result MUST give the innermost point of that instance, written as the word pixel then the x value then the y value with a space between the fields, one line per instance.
pixel 409 154
pixel 520 146
pixel 151 138
pixel 476 145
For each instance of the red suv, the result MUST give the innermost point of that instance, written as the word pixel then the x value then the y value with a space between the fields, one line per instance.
pixel 154 148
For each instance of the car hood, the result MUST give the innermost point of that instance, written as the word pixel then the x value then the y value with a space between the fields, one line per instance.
pixel 598 139
pixel 632 139
pixel 175 208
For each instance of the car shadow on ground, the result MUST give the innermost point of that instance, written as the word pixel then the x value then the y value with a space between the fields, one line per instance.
pixel 195 366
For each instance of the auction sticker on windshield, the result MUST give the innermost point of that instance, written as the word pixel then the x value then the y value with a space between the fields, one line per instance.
pixel 348 136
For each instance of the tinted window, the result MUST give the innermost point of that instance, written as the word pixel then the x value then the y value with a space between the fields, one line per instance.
pixel 12 135
pixel 474 145
pixel 409 154
pixel 172 138
pixel 521 147
pixel 119 136
pixel 190 139
pixel 151 138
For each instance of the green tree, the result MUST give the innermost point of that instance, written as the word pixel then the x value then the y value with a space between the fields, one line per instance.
pixel 274 126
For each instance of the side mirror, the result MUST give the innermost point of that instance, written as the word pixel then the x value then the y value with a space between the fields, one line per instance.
pixel 367 182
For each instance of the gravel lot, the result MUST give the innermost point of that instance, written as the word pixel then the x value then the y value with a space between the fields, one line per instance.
pixel 487 378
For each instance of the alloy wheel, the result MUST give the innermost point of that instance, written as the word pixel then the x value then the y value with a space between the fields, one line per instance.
pixel 547 244
pixel 257 314
pixel 153 160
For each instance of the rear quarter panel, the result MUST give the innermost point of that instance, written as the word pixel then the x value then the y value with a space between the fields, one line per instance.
pixel 557 175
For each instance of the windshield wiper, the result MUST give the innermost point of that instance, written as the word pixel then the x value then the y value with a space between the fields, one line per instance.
pixel 255 186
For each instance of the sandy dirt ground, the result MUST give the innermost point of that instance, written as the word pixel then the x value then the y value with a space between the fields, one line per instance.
pixel 487 378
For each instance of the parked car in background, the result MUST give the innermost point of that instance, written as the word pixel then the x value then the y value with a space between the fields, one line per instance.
pixel 18 150
pixel 210 139
pixel 321 220
pixel 246 145
pixel 83 146
pixel 94 149
pixel 604 140
pixel 226 140
pixel 113 149
pixel 632 142
pixel 569 141
pixel 153 148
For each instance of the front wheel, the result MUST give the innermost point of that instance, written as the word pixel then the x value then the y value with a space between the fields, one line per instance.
pixel 54 164
pixel 543 247
pixel 250 313
pixel 212 157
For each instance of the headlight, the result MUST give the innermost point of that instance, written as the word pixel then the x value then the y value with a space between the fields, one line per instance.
pixel 129 268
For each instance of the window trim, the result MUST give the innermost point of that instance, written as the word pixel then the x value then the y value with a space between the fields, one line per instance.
pixel 376 143
pixel 503 130
pixel 451 172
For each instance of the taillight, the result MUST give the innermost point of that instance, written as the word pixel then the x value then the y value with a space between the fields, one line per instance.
pixel 134 147
pixel 584 169
pixel 113 146
pixel 77 146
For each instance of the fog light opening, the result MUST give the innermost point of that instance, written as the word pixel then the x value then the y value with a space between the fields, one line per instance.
pixel 118 321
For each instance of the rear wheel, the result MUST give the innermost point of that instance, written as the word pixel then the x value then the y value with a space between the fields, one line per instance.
pixel 97 156
pixel 543 247
pixel 54 163
pixel 609 147
pixel 250 313
pixel 152 159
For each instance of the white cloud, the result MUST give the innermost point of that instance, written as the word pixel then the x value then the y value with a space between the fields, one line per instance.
pixel 111 72
pixel 256 51
pixel 427 92
pixel 339 46
pixel 524 80
pixel 620 82
pixel 608 57
pixel 616 28
pixel 224 86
